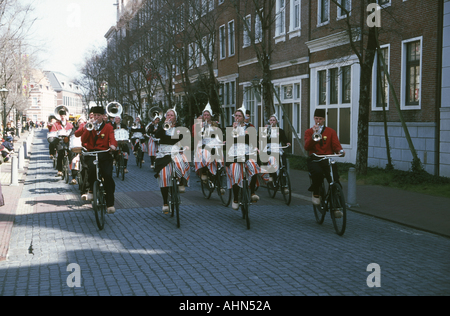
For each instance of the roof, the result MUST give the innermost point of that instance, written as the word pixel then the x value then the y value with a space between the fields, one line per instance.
pixel 61 82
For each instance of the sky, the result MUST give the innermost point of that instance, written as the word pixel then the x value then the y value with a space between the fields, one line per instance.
pixel 67 29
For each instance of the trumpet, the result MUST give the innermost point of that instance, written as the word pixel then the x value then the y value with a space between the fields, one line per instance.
pixel 316 136
pixel 235 132
pixel 167 125
pixel 206 132
pixel 89 126
pixel 265 133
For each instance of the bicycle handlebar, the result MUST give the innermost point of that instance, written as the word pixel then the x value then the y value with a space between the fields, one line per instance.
pixel 92 153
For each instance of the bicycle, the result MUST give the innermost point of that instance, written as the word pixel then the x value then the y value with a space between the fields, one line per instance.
pixel 174 193
pixel 283 182
pixel 139 155
pixel 82 177
pixel 219 181
pixel 244 194
pixel 120 163
pixel 331 199
pixel 99 202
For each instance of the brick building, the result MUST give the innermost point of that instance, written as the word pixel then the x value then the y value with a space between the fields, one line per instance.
pixel 312 63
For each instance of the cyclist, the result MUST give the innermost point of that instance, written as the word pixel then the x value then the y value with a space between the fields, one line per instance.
pixel 163 166
pixel 151 128
pixel 136 141
pixel 274 132
pixel 206 133
pixel 234 172
pixel 124 146
pixel 327 145
pixel 100 138
pixel 63 123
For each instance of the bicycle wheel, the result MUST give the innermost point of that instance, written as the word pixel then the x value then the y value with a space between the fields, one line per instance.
pixel 66 170
pixel 337 201
pixel 175 202
pixel 222 187
pixel 320 211
pixel 99 205
pixel 118 166
pixel 245 203
pixel 272 188
pixel 122 166
pixel 207 187
pixel 285 185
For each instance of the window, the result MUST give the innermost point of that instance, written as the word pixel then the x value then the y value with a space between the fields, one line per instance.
pixel 231 38
pixel 345 6
pixel 346 84
pixel 380 86
pixel 334 86
pixel 280 17
pixel 247 30
pixel 222 40
pixel 323 11
pixel 258 27
pixel 250 103
pixel 412 73
pixel 295 15
pixel 322 77
pixel 381 2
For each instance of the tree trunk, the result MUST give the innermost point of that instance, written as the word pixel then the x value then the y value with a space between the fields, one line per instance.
pixel 364 104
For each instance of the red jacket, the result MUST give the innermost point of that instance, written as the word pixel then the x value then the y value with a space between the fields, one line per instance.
pixel 104 140
pixel 330 142
pixel 58 126
pixel 80 130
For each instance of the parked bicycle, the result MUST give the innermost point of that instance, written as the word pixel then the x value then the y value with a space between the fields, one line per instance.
pixel 331 198
pixel 99 202
pixel 282 181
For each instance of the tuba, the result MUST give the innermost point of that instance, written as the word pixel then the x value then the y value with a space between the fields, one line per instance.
pixel 128 120
pixel 154 113
pixel 59 110
pixel 114 109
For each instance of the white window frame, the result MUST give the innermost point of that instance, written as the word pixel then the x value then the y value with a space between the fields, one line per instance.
pixel 246 38
pixel 258 28
pixel 280 13
pixel 340 15
pixel 293 4
pixel 222 40
pixel 231 39
pixel 403 79
pixel 319 10
pixel 374 79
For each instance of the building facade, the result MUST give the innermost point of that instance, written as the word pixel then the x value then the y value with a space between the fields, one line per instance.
pixel 42 98
pixel 67 92
pixel 311 50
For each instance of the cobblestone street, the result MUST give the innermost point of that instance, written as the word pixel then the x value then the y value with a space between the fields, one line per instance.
pixel 142 252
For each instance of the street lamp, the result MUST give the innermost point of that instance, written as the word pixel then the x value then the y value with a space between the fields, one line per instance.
pixel 4 95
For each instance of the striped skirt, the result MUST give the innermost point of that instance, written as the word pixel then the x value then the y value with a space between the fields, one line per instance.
pixel 203 159
pixel 152 147
pixel 235 173
pixel 182 170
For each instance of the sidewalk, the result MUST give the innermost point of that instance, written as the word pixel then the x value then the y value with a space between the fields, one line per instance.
pixel 420 211
pixel 11 196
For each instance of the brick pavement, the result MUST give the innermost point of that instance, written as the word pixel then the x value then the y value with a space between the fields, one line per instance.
pixel 141 252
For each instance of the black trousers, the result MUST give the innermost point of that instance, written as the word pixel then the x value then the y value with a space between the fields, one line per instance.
pixel 106 172
pixel 317 172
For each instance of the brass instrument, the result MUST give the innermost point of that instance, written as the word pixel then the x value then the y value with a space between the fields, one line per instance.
pixel 317 136
pixel 135 125
pixel 235 132
pixel 167 125
pixel 128 120
pixel 114 109
pixel 264 133
pixel 89 126
pixel 60 109
pixel 206 131
pixel 154 113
